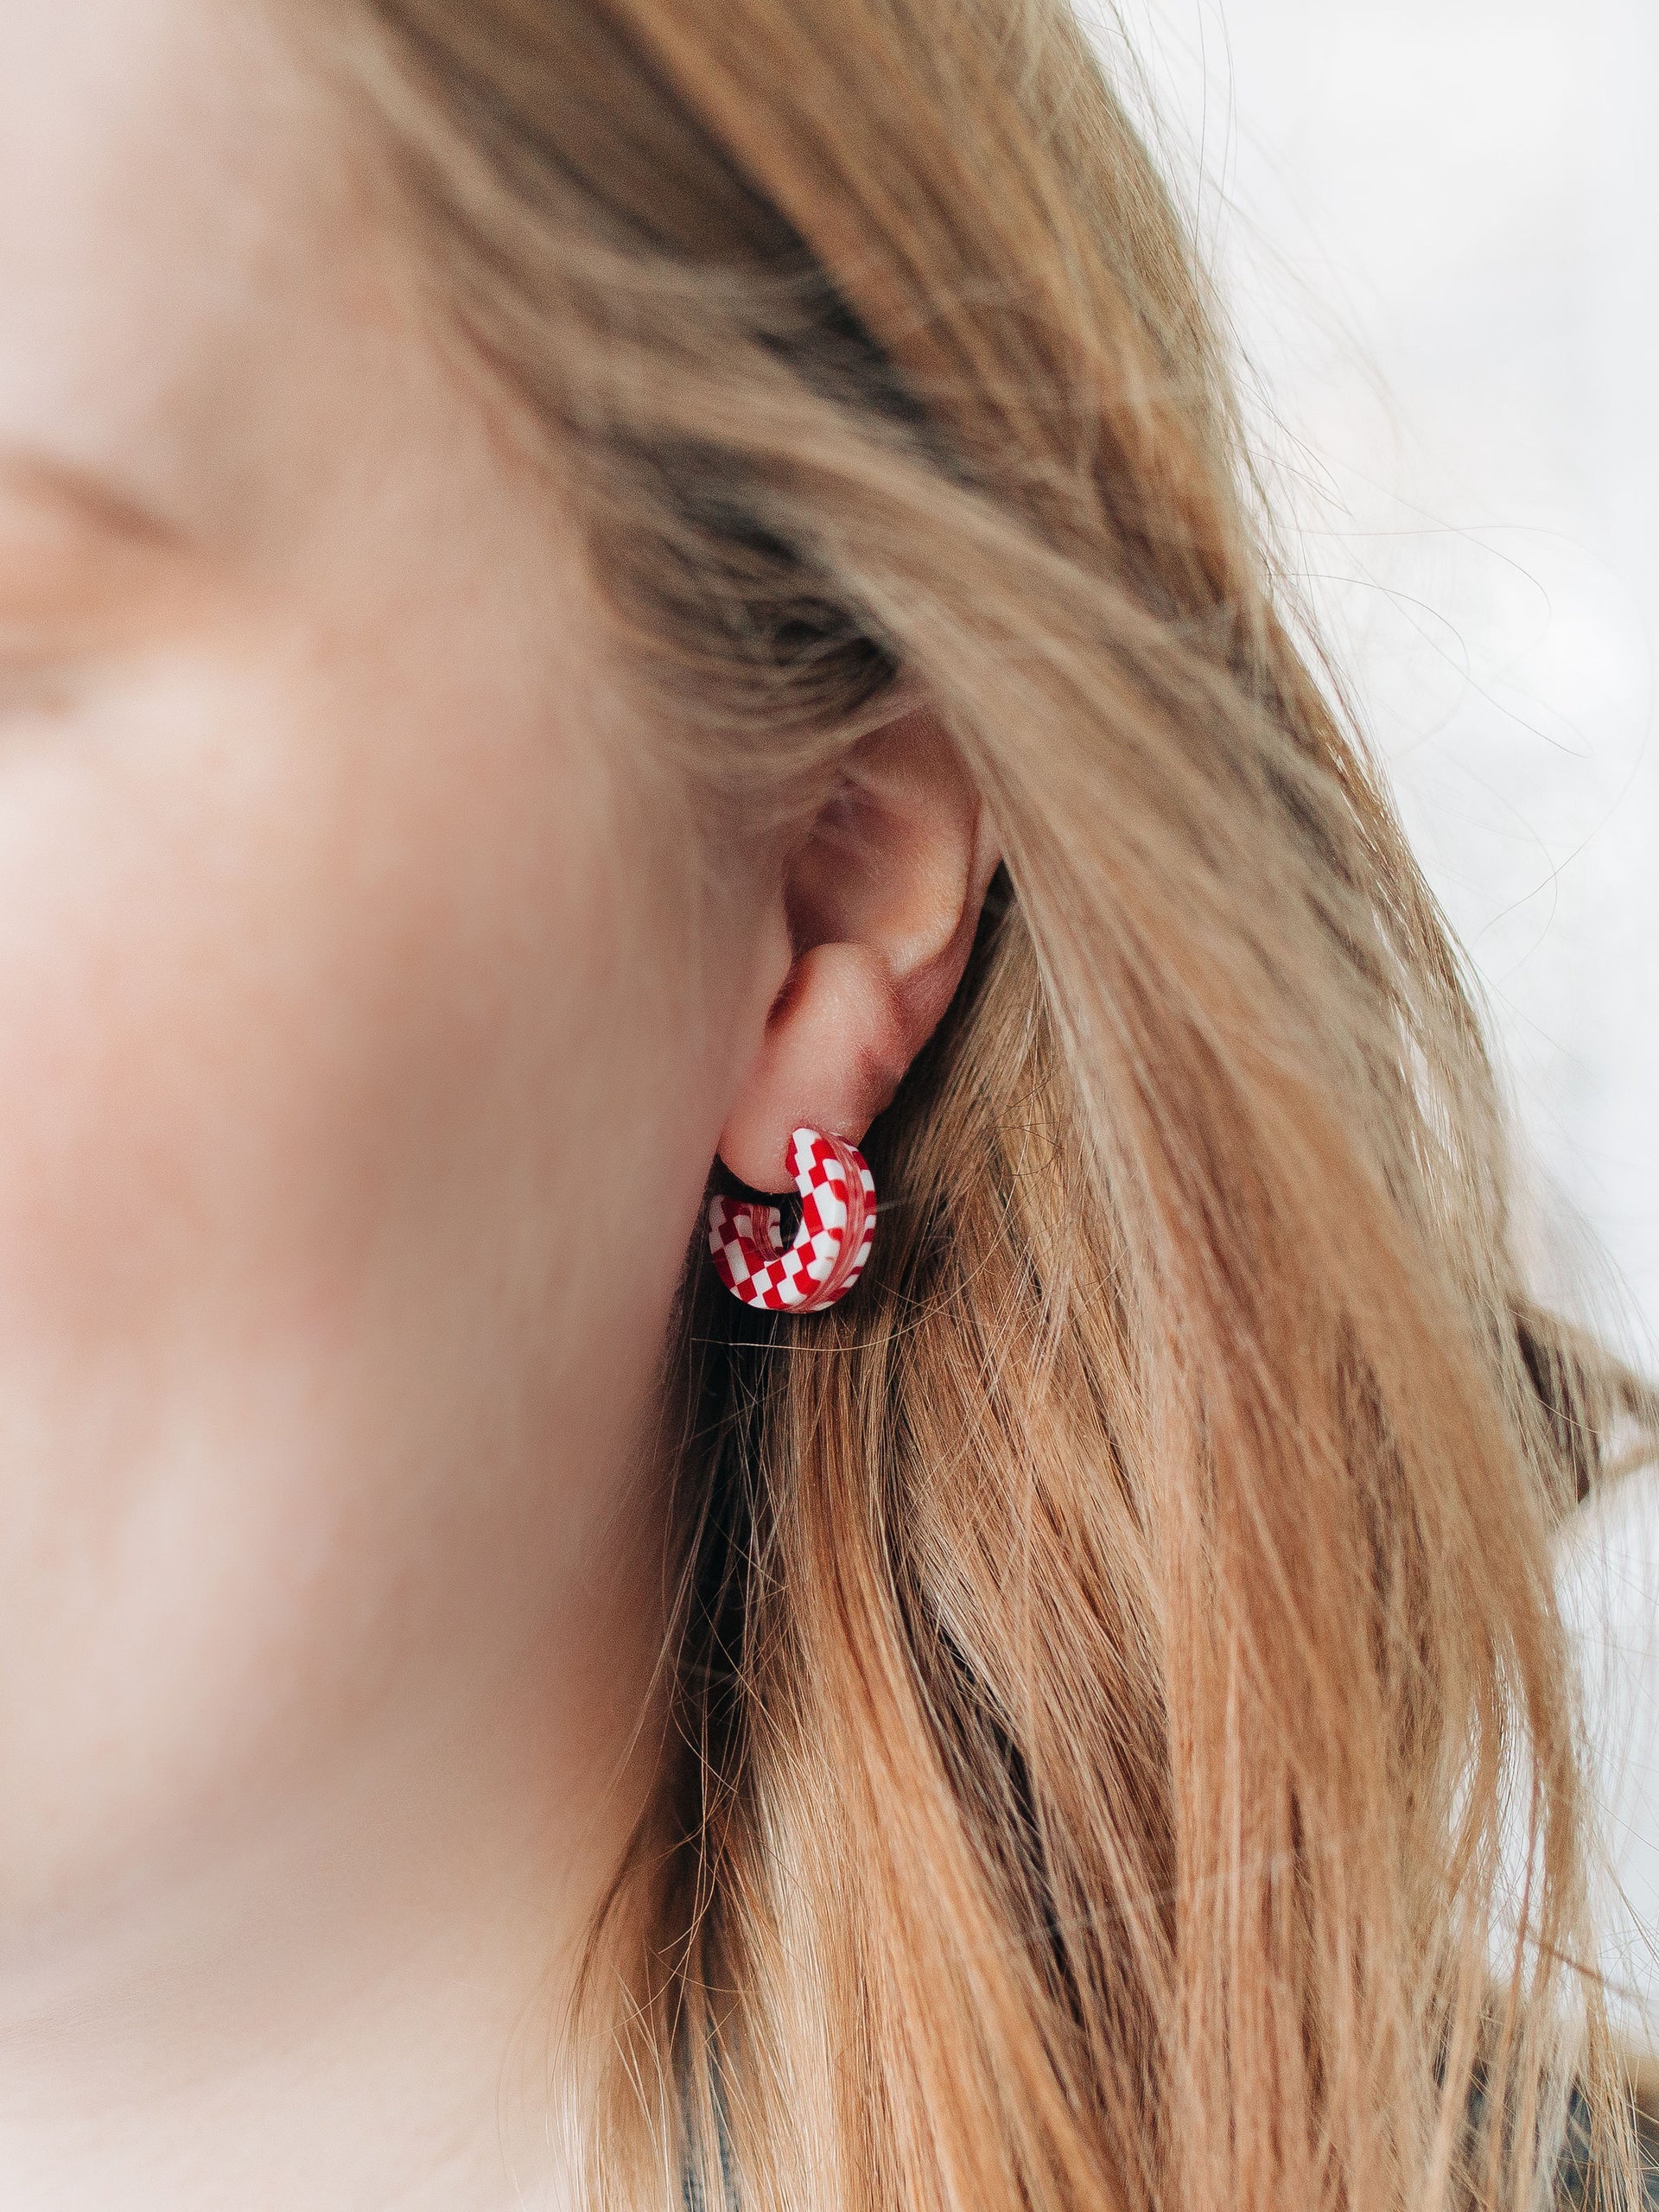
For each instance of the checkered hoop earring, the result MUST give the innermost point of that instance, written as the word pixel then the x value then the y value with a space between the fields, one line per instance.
pixel 830 1247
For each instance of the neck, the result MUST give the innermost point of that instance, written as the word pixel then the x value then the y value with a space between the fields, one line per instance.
pixel 359 2008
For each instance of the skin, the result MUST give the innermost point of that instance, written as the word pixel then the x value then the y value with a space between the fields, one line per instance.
pixel 354 992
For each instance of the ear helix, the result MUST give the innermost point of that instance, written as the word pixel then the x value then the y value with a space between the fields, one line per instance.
pixel 830 1247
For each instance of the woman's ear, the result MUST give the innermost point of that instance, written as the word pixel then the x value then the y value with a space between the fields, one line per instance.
pixel 882 898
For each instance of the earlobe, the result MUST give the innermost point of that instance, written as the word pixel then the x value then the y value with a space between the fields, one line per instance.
pixel 883 898
pixel 832 1057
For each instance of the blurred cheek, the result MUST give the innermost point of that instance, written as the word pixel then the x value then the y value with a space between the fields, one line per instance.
pixel 161 1054
pixel 333 1033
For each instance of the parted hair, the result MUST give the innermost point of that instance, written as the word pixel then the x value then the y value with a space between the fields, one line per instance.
pixel 1107 1650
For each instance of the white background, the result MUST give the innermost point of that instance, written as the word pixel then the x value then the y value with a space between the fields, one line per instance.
pixel 1436 226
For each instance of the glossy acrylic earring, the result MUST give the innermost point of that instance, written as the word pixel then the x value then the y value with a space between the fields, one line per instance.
pixel 830 1247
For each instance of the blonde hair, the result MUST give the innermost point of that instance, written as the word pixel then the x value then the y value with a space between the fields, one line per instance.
pixel 1106 1644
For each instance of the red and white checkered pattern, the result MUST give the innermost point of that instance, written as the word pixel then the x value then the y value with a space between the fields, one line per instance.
pixel 831 1245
